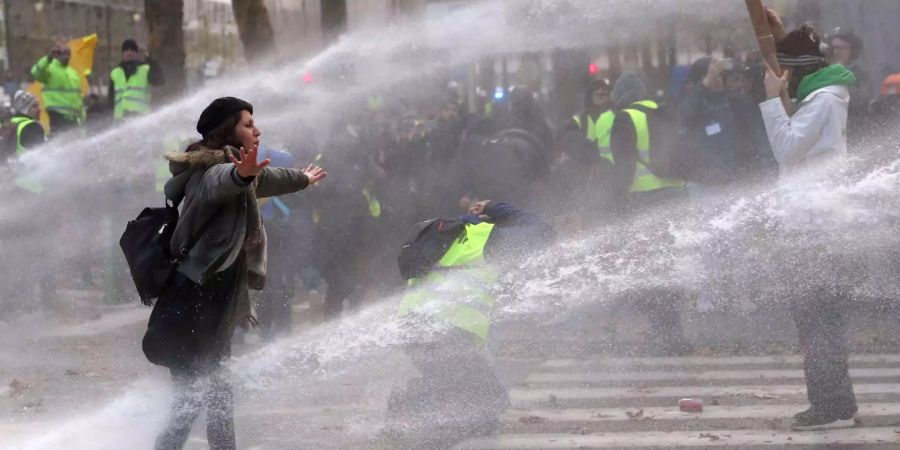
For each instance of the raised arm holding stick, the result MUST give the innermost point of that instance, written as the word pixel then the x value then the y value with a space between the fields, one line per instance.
pixel 769 31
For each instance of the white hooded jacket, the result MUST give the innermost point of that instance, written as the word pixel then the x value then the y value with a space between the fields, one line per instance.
pixel 816 133
pixel 807 145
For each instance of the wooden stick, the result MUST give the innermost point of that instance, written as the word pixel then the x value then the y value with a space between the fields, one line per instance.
pixel 766 41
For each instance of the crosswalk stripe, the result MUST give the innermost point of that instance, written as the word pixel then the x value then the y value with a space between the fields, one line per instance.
pixel 542 394
pixel 588 377
pixel 707 361
pixel 672 413
pixel 656 439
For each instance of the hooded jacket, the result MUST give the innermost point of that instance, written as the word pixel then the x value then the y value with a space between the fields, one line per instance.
pixel 818 129
pixel 217 197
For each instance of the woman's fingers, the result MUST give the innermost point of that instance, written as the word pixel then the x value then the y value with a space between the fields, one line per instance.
pixel 233 159
pixel 263 164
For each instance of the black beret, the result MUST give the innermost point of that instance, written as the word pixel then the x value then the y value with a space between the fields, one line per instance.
pixel 129 44
pixel 219 110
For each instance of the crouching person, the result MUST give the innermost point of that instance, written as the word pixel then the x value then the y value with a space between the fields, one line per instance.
pixel 220 235
pixel 451 266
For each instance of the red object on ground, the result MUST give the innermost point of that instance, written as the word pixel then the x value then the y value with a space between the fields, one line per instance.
pixel 690 405
pixel 891 85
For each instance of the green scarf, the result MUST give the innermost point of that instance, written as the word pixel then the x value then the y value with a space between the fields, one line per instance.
pixel 833 75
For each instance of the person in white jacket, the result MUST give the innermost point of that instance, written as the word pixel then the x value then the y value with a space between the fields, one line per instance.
pixel 814 135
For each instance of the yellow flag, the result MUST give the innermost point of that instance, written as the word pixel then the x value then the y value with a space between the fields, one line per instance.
pixel 83 58
pixel 82 61
pixel 35 89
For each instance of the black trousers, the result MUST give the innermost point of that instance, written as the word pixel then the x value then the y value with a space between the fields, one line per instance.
pixel 274 307
pixel 60 123
pixel 822 319
pixel 192 391
pixel 457 396
pixel 341 286
pixel 196 365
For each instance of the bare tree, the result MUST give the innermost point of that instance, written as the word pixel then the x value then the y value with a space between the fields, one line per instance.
pixel 254 26
pixel 165 28
pixel 334 19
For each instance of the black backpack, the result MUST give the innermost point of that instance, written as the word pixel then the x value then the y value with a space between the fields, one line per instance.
pixel 670 156
pixel 145 244
pixel 428 242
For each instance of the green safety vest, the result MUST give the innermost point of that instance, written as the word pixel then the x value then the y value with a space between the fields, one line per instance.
pixel 600 131
pixel 374 204
pixel 27 181
pixel 466 305
pixel 20 123
pixel 132 94
pixel 644 179
pixel 61 88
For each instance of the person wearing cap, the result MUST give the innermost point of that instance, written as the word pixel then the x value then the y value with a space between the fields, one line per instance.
pixel 130 82
pixel 217 180
pixel 451 265
pixel 813 138
pixel 61 89
pixel 26 112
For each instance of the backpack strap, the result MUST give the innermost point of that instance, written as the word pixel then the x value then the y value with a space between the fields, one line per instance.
pixel 173 204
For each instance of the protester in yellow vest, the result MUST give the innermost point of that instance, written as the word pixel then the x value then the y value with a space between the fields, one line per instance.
pixel 130 82
pixel 29 132
pixel 632 144
pixel 451 266
pixel 61 88
pixel 640 191
pixel 597 119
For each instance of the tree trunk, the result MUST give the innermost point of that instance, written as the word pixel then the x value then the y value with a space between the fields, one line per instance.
pixel 165 30
pixel 334 19
pixel 254 26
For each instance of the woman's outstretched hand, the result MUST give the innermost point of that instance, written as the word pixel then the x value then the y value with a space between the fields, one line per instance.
pixel 246 166
pixel 314 173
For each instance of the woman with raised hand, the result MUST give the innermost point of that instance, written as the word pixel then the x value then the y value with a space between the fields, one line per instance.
pixel 222 247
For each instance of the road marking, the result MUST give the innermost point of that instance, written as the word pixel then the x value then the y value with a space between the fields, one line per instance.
pixel 593 377
pixel 655 439
pixel 672 413
pixel 543 394
pixel 707 360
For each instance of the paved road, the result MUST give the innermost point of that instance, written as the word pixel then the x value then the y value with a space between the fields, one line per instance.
pixel 599 402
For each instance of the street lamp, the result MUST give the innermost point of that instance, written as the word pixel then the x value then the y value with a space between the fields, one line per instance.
pixel 39 6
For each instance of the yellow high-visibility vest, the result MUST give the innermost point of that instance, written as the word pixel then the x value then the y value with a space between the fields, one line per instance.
pixel 21 122
pixel 132 94
pixel 644 179
pixel 459 294
pixel 600 131
pixel 61 88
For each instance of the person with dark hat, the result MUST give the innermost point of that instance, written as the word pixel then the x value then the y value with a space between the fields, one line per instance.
pixel 220 235
pixel 130 82
pixel 814 137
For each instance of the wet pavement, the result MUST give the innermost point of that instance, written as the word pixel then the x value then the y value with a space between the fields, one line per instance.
pixel 587 381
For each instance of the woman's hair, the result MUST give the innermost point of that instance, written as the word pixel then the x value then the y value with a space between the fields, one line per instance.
pixel 222 135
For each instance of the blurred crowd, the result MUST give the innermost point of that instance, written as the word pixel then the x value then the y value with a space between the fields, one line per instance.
pixel 408 153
